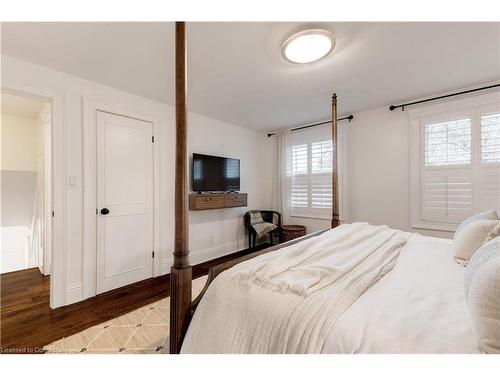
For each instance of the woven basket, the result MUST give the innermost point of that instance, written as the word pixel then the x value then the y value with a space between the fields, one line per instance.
pixel 291 232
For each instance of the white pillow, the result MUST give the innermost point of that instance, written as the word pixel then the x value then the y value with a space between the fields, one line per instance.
pixel 495 232
pixel 470 238
pixel 482 292
pixel 487 215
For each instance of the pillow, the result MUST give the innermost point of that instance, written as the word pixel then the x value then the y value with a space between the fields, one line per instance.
pixel 487 215
pixel 482 292
pixel 470 238
pixel 495 232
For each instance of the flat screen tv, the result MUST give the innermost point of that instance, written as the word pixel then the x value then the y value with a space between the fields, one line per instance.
pixel 214 173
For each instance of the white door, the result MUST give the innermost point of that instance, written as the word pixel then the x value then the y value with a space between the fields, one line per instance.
pixel 125 201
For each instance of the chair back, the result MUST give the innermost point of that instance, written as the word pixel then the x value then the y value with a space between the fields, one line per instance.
pixel 267 215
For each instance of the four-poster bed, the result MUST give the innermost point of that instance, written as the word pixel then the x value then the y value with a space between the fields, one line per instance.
pixel 181 307
pixel 180 274
pixel 357 288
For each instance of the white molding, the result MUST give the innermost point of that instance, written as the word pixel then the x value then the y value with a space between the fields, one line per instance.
pixel 74 293
pixel 312 215
pixel 203 255
pixel 16 85
pixel 90 106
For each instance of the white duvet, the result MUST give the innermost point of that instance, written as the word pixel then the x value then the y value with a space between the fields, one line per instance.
pixel 339 293
pixel 418 307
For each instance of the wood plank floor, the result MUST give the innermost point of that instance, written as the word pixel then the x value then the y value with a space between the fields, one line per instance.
pixel 28 323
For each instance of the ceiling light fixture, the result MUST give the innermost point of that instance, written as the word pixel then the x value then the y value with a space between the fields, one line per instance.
pixel 308 46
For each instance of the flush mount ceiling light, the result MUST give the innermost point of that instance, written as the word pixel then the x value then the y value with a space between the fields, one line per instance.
pixel 308 46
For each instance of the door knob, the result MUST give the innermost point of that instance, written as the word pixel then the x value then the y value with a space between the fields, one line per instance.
pixel 104 211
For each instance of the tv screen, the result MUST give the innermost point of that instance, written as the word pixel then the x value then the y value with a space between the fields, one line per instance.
pixel 213 173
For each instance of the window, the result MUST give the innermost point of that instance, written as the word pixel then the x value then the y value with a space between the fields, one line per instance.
pixel 490 138
pixel 455 161
pixel 448 143
pixel 310 176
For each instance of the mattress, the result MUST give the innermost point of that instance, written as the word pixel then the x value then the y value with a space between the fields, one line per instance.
pixel 418 307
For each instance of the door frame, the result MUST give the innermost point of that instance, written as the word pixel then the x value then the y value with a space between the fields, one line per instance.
pixel 90 107
pixel 58 177
pixel 46 121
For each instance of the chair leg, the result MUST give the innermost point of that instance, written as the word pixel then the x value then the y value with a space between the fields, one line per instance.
pixel 249 239
pixel 271 238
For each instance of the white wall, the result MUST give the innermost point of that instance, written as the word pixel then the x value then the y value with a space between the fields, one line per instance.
pixel 217 232
pixel 20 143
pixel 212 233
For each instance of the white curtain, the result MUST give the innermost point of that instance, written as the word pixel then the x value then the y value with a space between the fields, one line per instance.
pixel 279 199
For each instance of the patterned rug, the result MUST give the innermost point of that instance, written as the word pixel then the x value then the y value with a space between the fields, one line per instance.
pixel 142 331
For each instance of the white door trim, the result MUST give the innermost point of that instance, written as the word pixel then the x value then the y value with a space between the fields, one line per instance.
pixel 46 122
pixel 90 106
pixel 58 256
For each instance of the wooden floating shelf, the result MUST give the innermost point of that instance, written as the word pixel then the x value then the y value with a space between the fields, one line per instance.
pixel 213 201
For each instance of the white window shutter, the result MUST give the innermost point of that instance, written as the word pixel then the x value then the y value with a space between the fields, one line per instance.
pixel 489 172
pixel 321 174
pixel 321 190
pixel 447 194
pixel 310 174
pixel 490 138
pixel 448 143
pixel 299 184
pixel 299 191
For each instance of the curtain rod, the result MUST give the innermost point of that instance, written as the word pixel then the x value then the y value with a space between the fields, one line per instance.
pixel 402 106
pixel 350 117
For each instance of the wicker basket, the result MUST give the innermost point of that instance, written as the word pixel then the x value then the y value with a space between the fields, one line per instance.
pixel 290 232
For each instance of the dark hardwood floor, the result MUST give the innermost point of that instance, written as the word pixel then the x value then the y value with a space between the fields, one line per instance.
pixel 28 323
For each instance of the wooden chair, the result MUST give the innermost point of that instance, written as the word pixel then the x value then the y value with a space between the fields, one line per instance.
pixel 269 217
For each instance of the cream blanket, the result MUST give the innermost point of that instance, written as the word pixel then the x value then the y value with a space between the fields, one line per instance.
pixel 287 301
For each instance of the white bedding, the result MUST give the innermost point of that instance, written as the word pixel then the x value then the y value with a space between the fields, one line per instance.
pixel 418 307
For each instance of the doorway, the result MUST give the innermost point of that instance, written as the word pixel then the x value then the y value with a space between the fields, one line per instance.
pixel 26 182
pixel 124 200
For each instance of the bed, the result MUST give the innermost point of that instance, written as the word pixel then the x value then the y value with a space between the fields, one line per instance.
pixel 419 307
pixel 415 306
pixel 379 290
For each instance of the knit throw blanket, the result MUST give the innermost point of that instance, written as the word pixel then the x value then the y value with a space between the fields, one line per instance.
pixel 261 227
pixel 288 301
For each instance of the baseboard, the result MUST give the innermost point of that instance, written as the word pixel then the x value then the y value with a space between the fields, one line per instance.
pixel 203 255
pixel 74 293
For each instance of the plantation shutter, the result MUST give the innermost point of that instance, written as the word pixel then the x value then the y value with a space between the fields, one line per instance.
pixel 321 174
pixel 489 171
pixel 299 187
pixel 310 172
pixel 447 183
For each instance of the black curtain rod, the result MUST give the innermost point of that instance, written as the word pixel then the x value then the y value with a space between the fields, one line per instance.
pixel 350 117
pixel 402 106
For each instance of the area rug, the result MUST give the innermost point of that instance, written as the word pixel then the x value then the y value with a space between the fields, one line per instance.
pixel 142 331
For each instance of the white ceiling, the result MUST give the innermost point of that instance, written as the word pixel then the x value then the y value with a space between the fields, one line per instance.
pixel 237 73
pixel 21 106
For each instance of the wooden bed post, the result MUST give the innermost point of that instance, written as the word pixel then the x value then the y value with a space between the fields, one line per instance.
pixel 335 181
pixel 180 274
